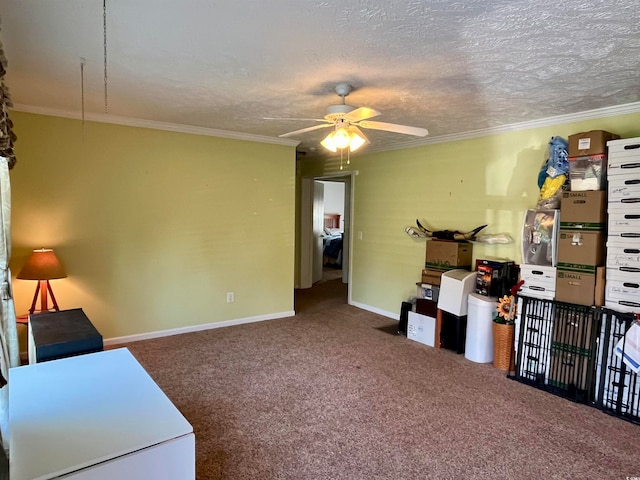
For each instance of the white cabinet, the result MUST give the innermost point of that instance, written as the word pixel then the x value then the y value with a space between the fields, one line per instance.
pixel 95 417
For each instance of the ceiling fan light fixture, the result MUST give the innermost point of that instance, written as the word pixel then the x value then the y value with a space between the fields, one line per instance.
pixel 329 144
pixel 341 138
pixel 355 142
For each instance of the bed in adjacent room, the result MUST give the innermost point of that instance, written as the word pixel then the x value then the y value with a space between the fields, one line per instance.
pixel 332 241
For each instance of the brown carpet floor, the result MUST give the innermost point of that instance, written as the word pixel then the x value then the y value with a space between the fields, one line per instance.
pixel 325 395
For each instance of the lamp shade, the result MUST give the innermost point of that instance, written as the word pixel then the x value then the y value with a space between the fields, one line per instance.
pixel 42 265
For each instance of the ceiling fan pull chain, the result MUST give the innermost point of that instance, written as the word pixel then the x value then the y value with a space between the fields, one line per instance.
pixel 104 38
pixel 82 62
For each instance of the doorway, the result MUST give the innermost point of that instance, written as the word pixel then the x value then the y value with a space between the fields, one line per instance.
pixel 325 236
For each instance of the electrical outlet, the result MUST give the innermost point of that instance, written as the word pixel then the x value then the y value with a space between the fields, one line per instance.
pixel 230 297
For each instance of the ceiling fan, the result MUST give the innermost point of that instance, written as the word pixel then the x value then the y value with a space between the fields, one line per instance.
pixel 346 120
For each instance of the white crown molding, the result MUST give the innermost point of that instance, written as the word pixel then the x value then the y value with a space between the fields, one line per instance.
pixel 514 127
pixel 171 127
pixel 484 132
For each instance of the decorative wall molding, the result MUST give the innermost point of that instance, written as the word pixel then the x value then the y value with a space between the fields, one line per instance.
pixel 212 132
pixel 514 127
pixel 170 127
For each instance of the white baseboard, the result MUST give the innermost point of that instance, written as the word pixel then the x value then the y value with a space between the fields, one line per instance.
pixel 195 328
pixel 369 308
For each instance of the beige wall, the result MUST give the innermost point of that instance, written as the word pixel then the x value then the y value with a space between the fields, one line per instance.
pixel 154 227
pixel 458 186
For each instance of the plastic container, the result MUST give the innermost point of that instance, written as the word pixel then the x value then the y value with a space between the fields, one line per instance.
pixel 479 342
pixel 455 285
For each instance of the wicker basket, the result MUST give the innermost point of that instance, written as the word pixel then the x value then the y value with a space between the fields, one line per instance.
pixel 503 354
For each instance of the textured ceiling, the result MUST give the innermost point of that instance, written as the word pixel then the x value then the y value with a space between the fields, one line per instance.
pixel 445 65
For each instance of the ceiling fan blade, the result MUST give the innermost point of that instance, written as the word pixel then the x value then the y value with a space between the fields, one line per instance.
pixel 305 130
pixel 361 114
pixel 392 127
pixel 289 118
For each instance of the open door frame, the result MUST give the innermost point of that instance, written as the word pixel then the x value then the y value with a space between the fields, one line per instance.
pixel 307 239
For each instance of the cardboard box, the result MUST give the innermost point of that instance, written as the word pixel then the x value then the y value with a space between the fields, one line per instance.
pixel 623 287
pixel 623 256
pixel 539 282
pixel 583 210
pixel 447 255
pixel 431 276
pixel 570 371
pixel 578 250
pixel 581 288
pixel 573 331
pixel 590 143
pixel 537 275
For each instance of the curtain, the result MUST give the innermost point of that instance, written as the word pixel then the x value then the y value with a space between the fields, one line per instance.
pixel 10 356
pixel 9 348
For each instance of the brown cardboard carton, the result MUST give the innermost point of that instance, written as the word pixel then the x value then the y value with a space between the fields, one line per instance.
pixel 581 288
pixel 598 296
pixel 579 249
pixel 431 276
pixel 447 255
pixel 569 370
pixel 590 143
pixel 584 210
pixel 573 331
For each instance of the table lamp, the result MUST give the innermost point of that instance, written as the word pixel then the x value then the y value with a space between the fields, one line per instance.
pixel 42 265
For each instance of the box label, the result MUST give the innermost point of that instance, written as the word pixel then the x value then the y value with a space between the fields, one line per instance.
pixel 584 143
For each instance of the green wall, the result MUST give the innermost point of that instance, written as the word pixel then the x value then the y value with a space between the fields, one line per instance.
pixel 154 227
pixel 457 186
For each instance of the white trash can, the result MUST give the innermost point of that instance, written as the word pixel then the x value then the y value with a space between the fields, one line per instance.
pixel 479 343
